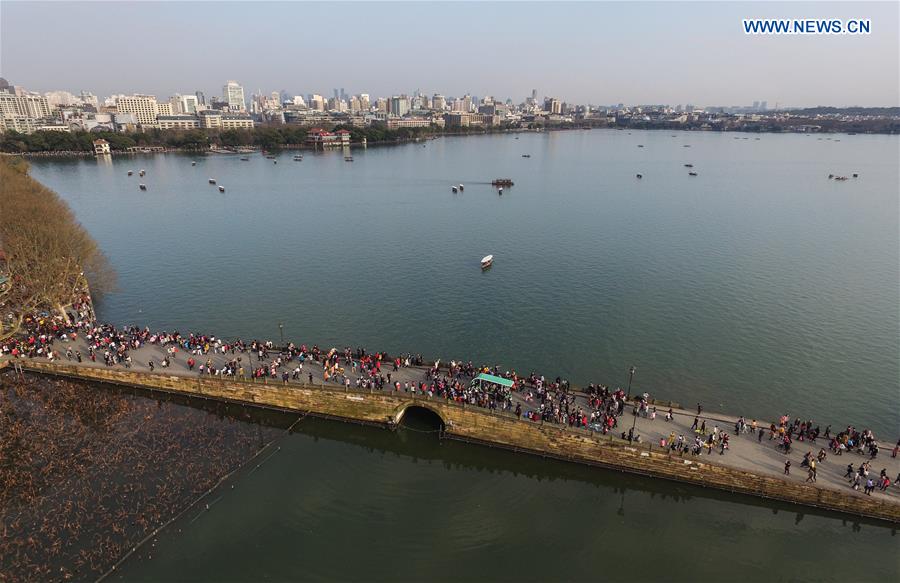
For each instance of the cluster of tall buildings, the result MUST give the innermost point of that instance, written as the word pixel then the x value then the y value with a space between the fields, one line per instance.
pixel 28 111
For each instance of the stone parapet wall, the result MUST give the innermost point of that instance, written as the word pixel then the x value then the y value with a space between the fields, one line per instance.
pixel 482 426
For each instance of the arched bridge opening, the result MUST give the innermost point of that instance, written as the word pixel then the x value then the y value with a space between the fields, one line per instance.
pixel 420 418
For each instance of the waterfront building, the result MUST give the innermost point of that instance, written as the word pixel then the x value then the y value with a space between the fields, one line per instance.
pixel 144 107
pixel 233 95
pixel 101 147
pixel 178 122
pixel 464 119
pixel 213 119
pixel 318 137
pixel 394 123
pixel 163 108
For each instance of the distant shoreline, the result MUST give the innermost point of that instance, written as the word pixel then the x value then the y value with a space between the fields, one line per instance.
pixel 422 138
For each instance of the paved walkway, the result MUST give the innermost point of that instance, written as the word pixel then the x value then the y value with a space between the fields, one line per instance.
pixel 745 452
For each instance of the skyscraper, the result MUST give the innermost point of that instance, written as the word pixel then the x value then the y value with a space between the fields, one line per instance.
pixel 233 95
pixel 201 98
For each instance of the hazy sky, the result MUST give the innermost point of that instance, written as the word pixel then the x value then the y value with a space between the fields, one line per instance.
pixel 601 53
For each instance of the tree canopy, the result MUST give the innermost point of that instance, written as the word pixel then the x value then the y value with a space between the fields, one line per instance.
pixel 48 256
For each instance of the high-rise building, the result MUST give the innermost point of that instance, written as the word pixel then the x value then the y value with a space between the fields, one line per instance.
pixel 317 102
pixel 763 105
pixel 233 95
pixel 183 104
pixel 364 102
pixel 32 106
pixel 399 105
pixel 89 98
pixel 382 105
pixel 438 102
pixel 144 107
pixel 201 98
pixel 60 98
pixel 553 105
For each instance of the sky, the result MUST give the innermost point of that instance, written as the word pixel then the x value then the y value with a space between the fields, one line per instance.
pixel 585 52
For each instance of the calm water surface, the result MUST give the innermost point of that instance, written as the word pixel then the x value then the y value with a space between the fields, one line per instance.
pixel 759 287
pixel 340 502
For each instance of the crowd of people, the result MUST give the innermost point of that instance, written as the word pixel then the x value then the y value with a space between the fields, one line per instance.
pixel 597 408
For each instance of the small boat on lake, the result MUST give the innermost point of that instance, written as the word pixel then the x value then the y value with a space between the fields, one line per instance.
pixel 348 158
pixel 212 180
pixel 130 172
pixel 142 172
pixel 193 163
pixel 639 175
pixel 640 145
pixel 500 191
pixel 142 186
pixel 298 158
pixel 453 189
pixel 462 188
pixel 245 159
pixel 221 189
pixel 692 173
pixel 526 155
pixel 487 261
pixel 270 157
pixel 501 182
pixel 688 165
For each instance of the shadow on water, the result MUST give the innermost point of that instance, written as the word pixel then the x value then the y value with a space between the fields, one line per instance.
pixel 417 438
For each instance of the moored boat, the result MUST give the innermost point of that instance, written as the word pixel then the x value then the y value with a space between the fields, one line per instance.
pixel 487 261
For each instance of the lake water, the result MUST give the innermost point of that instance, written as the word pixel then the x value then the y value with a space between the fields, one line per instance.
pixel 758 287
pixel 342 502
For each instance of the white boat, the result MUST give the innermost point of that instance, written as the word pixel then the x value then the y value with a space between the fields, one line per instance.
pixel 141 173
pixel 193 163
pixel 130 172
pixel 212 180
pixel 461 187
pixel 221 189
pixel 500 191
pixel 487 261
pixel 453 188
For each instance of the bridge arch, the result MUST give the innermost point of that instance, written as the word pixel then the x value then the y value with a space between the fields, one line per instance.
pixel 426 410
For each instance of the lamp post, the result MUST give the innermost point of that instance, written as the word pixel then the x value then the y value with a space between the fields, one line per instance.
pixel 281 330
pixel 630 377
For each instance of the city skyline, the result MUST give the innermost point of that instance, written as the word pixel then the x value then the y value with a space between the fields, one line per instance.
pixel 580 53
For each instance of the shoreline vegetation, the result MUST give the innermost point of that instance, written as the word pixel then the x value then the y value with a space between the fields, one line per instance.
pixel 293 137
pixel 49 263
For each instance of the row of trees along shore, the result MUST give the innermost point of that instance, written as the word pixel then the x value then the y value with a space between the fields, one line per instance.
pixel 265 137
pixel 46 255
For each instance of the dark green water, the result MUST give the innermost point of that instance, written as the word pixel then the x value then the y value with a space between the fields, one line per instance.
pixel 758 287
pixel 341 502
